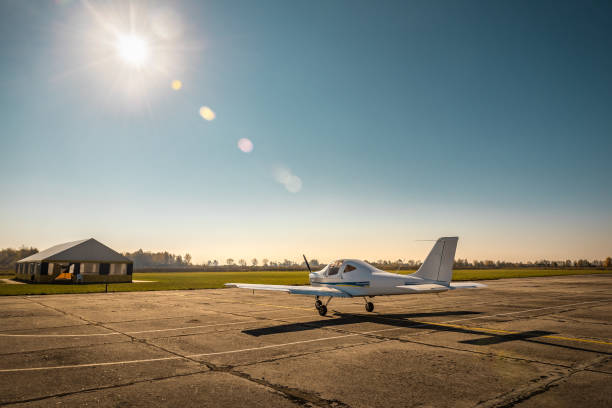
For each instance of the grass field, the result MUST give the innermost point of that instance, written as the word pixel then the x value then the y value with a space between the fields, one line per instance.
pixel 208 280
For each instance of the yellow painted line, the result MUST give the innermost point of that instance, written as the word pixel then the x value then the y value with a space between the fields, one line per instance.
pixel 515 332
pixel 582 340
pixel 468 328
pixel 269 346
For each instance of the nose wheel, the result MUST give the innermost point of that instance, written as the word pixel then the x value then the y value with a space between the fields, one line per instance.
pixel 322 308
pixel 369 305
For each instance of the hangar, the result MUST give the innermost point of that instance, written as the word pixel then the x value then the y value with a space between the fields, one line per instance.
pixel 84 261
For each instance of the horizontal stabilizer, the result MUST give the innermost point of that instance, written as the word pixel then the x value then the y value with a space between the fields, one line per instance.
pixel 423 288
pixel 467 285
pixel 294 290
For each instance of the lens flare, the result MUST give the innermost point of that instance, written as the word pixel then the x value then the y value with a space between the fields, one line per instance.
pixel 207 113
pixel 133 50
pixel 176 84
pixel 284 176
pixel 245 145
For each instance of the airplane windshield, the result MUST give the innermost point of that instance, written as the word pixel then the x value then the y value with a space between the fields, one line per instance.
pixel 334 267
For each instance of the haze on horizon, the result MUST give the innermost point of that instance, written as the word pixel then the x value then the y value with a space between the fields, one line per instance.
pixel 242 129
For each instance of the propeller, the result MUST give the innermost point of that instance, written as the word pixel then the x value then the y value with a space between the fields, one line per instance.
pixel 307 265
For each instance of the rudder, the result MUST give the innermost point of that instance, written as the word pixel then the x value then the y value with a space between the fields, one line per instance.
pixel 438 265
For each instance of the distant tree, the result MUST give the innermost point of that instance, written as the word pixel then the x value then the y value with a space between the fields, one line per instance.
pixel 265 262
pixel 607 263
pixel 9 256
pixel 215 262
pixel 229 261
pixel 149 259
pixel 314 262
pixel 254 261
pixel 582 263
pixel 242 262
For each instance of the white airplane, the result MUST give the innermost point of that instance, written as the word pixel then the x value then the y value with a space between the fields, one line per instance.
pixel 348 278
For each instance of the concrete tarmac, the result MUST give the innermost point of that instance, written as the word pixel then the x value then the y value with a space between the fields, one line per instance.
pixel 522 342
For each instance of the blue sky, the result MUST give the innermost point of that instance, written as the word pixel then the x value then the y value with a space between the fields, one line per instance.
pixel 403 120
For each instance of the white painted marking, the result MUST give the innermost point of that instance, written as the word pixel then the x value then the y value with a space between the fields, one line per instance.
pixel 281 345
pixel 117 333
pixel 192 327
pixel 15 370
pixel 12 370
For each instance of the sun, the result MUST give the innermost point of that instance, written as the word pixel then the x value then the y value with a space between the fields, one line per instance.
pixel 133 50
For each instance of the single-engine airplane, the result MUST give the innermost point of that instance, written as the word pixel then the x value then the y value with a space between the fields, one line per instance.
pixel 348 278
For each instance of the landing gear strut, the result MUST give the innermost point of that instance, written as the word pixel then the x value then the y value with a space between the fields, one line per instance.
pixel 369 306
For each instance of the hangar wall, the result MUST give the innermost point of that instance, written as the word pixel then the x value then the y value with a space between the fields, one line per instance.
pixel 90 272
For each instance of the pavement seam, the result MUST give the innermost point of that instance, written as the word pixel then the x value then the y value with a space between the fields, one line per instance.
pixel 304 398
pixel 293 395
pixel 309 353
pixel 102 388
pixel 312 399
pixel 67 347
pixel 538 386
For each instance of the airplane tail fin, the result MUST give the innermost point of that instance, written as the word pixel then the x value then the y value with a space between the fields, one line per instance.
pixel 438 265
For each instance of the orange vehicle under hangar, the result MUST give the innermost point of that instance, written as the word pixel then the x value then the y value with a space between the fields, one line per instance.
pixel 84 261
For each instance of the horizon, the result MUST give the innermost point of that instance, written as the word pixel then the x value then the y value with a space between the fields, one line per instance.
pixel 338 130
pixel 279 262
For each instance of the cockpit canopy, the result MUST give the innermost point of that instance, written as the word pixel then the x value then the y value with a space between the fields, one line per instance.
pixel 345 266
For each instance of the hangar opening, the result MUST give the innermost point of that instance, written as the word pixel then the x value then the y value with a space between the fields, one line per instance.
pixel 84 261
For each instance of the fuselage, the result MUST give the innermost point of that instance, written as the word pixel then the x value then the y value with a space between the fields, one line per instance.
pixel 358 278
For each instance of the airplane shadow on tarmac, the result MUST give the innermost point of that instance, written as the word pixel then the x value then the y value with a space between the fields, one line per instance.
pixel 397 320
pixel 404 320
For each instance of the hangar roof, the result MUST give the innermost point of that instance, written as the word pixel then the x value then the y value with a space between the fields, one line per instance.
pixel 88 250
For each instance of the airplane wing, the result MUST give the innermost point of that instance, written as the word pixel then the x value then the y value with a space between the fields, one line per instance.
pixel 423 288
pixel 467 285
pixel 433 287
pixel 294 290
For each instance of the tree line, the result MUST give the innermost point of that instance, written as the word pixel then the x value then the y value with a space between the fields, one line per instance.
pixel 144 259
pixel 9 256
pixel 165 260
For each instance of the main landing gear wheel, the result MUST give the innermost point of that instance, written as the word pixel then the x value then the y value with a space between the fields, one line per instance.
pixel 322 309
pixel 318 304
pixel 369 306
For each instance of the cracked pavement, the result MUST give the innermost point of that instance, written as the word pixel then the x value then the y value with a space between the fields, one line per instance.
pixel 521 342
